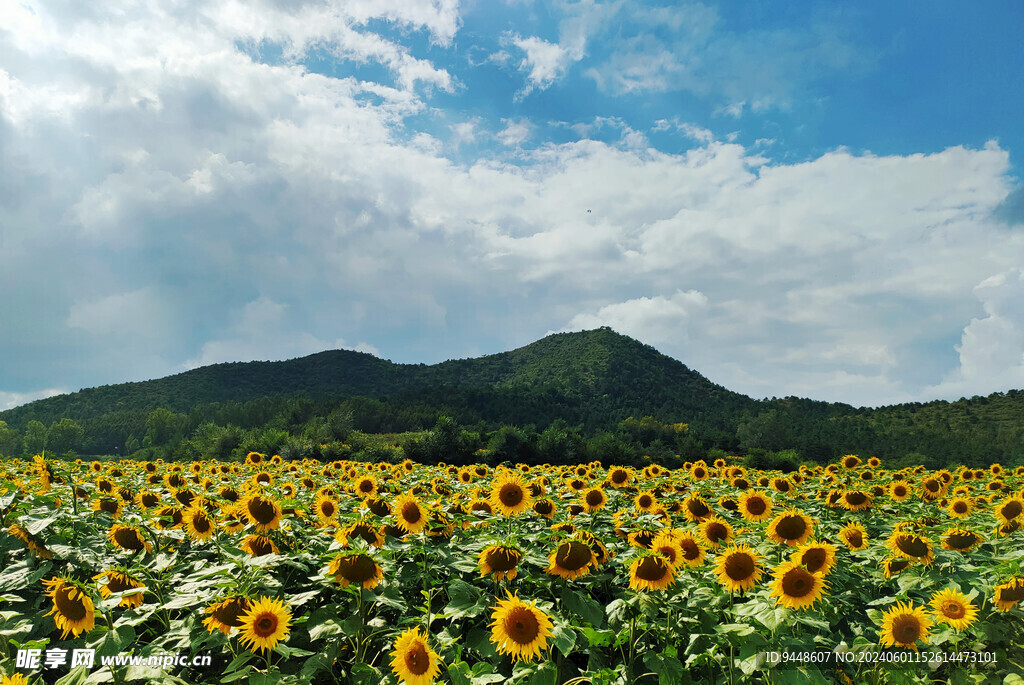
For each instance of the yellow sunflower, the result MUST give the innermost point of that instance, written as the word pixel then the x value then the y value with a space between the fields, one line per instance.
pixel 911 546
pixel 571 559
pixel 1010 509
pixel 411 514
pixel 326 509
pixel 619 477
pixel 854 536
pixel 899 490
pixel 226 614
pixel 795 587
pixel 356 569
pixel 199 524
pixel 692 551
pixel 519 629
pixel 594 499
pixel 264 624
pixel 816 557
pixel 904 625
pixel 1008 594
pixel 510 494
pixel 499 561
pixel 667 545
pixel 954 608
pixel 651 572
pixel 960 507
pixel 892 566
pixel 259 545
pixel 261 511
pixel 755 507
pixel 119 580
pixel 128 538
pixel 696 509
pixel 792 528
pixel 364 530
pixel 15 679
pixel 737 568
pixel 645 501
pixel 73 610
pixel 413 661
pixel 960 540
pixel 715 532
pixel 856 500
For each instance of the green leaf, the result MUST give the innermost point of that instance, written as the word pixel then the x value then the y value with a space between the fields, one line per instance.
pixel 669 669
pixel 459 672
pixel 466 600
pixel 324 629
pixel 583 606
pixel 564 638
pixel 77 676
pixel 598 638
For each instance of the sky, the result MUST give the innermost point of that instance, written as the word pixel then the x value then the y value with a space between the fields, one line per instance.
pixel 817 199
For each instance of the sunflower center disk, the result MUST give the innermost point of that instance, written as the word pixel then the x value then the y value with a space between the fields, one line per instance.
pixel 417 660
pixel 357 569
pixel 698 509
pixel 651 569
pixel 411 513
pixel 262 510
pixel 716 532
pixel 856 498
pixel 502 560
pixel 128 539
pixel 912 545
pixel 813 559
pixel 594 498
pixel 229 613
pixel 690 550
pixel 265 626
pixel 572 556
pixel 739 566
pixel 756 506
pixel 953 610
pixel 510 495
pixel 1011 510
pixel 907 628
pixel 791 527
pixel 72 609
pixel 797 583
pixel 521 626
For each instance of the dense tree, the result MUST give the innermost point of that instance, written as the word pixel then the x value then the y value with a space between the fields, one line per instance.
pixel 10 441
pixel 65 436
pixel 35 437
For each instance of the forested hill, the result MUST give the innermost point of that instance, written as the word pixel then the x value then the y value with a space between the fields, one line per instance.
pixel 593 380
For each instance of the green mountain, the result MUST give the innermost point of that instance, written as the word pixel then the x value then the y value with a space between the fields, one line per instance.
pixel 594 379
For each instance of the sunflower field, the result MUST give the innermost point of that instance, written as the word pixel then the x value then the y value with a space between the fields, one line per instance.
pixel 350 572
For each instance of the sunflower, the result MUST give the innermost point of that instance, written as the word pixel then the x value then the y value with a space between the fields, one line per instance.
pixel 795 587
pixel 412 661
pixel 500 561
pixel 960 507
pixel 692 551
pixel 263 512
pixel 645 501
pixel 199 524
pixel 119 580
pixel 128 538
pixel 911 546
pixel 259 545
pixel 601 553
pixel 792 528
pixel 715 532
pixel 854 536
pixel 816 557
pixel 16 679
pixel 411 514
pixel 594 499
pixel 850 461
pixel 953 608
pixel 651 572
pixel 667 545
pixel 619 477
pixel 30 541
pixel 111 505
pixel 326 509
pixel 932 489
pixel 168 516
pixel 737 569
pixel 519 629
pixel 856 500
pixel 365 487
pixel 264 624
pixel 545 508
pixel 147 499
pixel 892 566
pixel 73 610
pixel 355 569
pixel 571 559
pixel 755 507
pixel 904 625
pixel 1008 594
pixel 1010 509
pixel 696 509
pixel 960 540
pixel 226 614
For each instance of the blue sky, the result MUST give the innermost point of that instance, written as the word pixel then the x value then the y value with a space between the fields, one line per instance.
pixel 811 199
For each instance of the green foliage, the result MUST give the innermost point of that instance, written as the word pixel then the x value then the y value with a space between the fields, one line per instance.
pixel 10 441
pixel 35 437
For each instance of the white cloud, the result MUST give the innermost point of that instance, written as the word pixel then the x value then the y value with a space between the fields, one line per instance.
pixel 657 320
pixel 544 63
pixel 516 132
pixel 10 400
